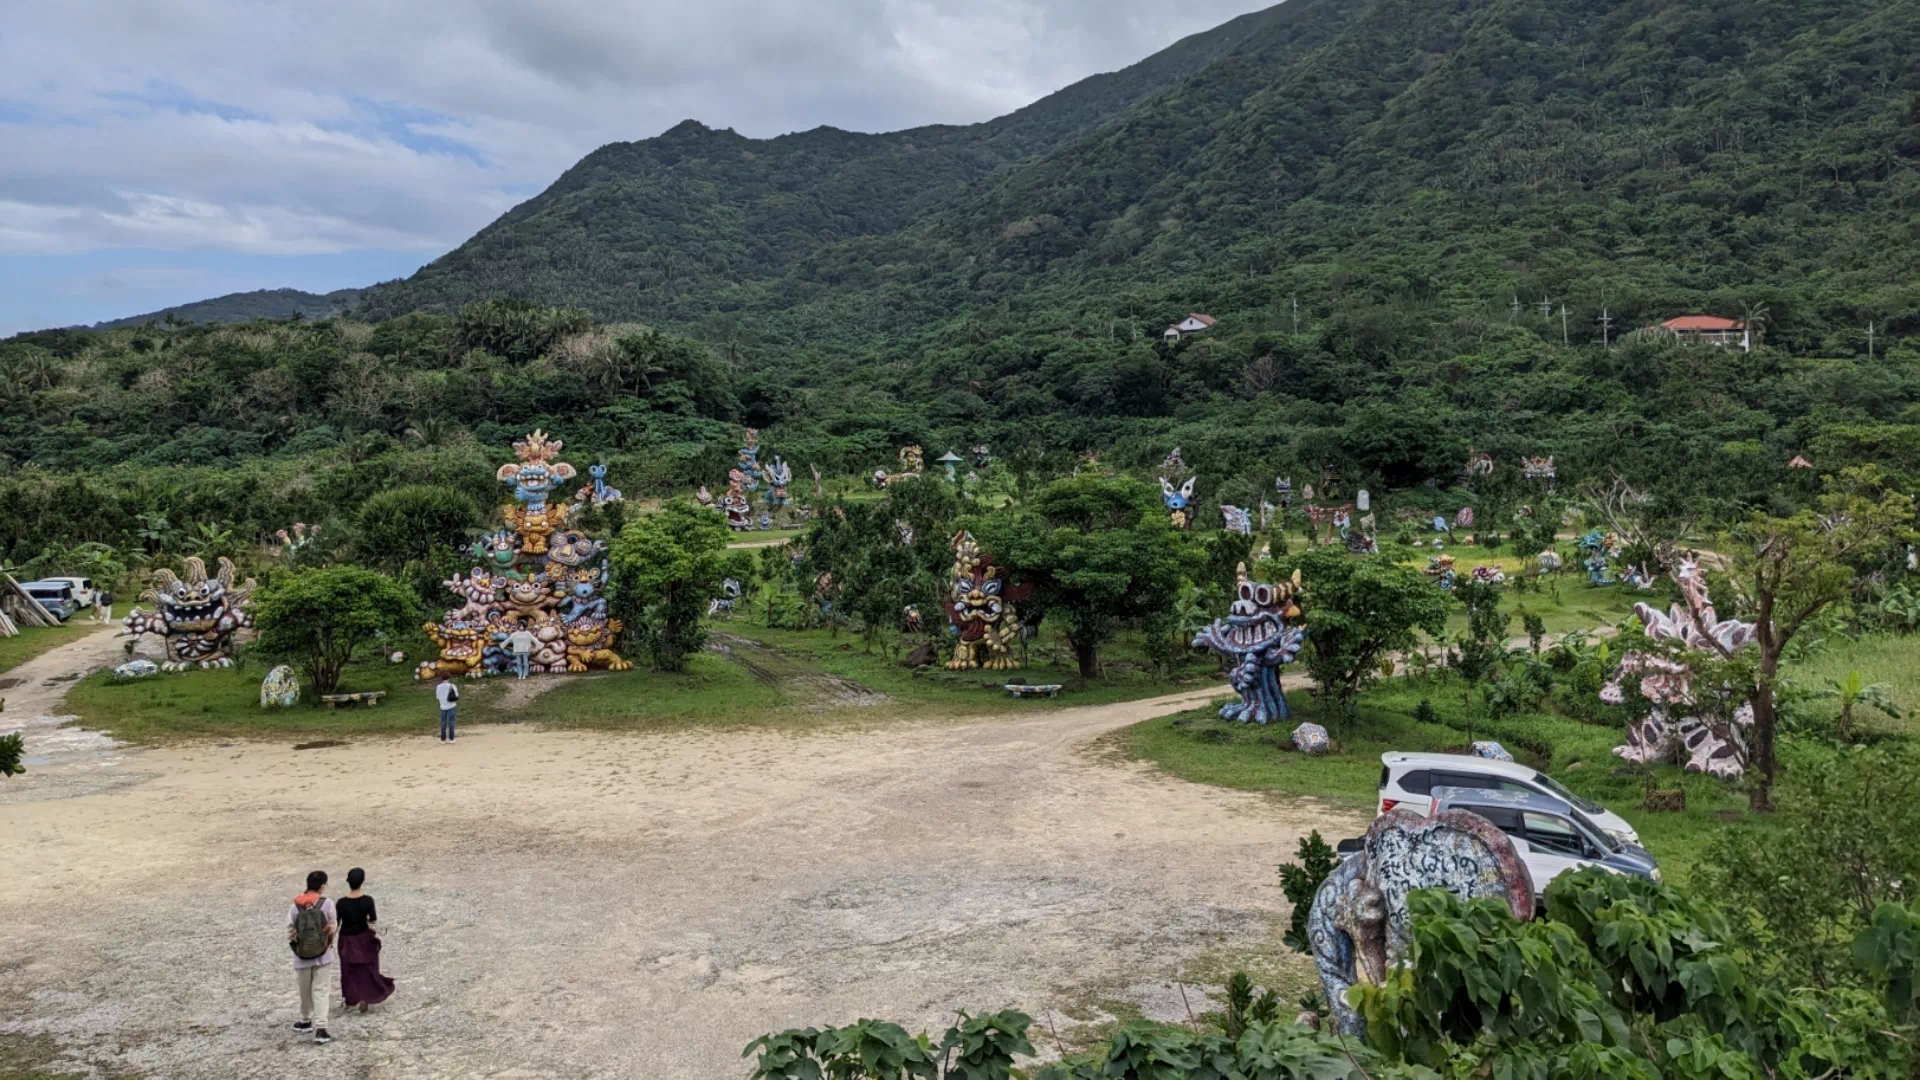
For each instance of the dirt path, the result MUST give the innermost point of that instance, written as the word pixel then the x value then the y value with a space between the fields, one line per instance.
pixel 598 905
pixel 62 759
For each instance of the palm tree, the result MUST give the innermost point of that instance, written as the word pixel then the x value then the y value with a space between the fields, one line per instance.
pixel 1757 316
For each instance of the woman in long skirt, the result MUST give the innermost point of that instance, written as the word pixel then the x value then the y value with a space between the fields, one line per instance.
pixel 360 980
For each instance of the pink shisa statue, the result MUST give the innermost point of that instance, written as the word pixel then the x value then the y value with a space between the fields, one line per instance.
pixel 1668 684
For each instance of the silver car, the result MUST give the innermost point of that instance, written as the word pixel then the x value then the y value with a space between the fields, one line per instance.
pixel 1550 835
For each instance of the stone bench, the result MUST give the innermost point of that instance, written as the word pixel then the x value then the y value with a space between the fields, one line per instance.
pixel 1022 690
pixel 370 697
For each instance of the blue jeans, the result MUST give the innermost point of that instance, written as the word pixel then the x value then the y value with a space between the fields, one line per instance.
pixel 446 723
pixel 520 662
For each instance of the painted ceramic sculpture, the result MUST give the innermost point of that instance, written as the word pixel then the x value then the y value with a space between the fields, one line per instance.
pixel 1668 732
pixel 1597 549
pixel 779 475
pixel 729 595
pixel 734 503
pixel 1440 569
pixel 1179 501
pixel 1260 632
pixel 196 615
pixel 534 574
pixel 1538 468
pixel 1283 487
pixel 980 604
pixel 1488 574
pixel 280 689
pixel 748 460
pixel 1479 463
pixel 1238 519
pixel 1359 927
pixel 912 462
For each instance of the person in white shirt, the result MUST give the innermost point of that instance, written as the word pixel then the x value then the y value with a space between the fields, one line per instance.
pixel 521 643
pixel 449 696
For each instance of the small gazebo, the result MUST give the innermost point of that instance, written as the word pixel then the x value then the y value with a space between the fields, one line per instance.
pixel 950 459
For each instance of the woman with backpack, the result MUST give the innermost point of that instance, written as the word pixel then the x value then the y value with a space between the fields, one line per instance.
pixel 360 980
pixel 311 927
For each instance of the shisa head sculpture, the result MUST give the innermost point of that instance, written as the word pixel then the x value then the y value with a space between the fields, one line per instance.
pixel 1360 928
pixel 981 606
pixel 1238 519
pixel 1178 501
pixel 982 457
pixel 537 474
pixel 1538 468
pixel 197 614
pixel 1260 632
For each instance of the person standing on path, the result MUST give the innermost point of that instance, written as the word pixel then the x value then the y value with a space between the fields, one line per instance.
pixel 361 983
pixel 311 929
pixel 103 606
pixel 449 697
pixel 521 643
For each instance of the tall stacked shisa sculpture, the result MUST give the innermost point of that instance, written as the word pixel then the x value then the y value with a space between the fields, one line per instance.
pixel 534 574
pixel 196 615
pixel 1178 501
pixel 980 604
pixel 1261 631
pixel 1667 684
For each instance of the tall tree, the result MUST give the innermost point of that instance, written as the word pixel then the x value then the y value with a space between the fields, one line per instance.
pixel 1100 553
pixel 322 619
pixel 1358 612
pixel 666 567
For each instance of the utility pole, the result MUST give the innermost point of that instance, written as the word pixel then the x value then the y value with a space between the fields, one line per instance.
pixel 1295 299
pixel 1546 307
pixel 1869 341
pixel 1513 309
pixel 1606 328
pixel 1563 324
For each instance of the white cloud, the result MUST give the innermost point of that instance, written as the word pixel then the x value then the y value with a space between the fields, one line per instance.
pixel 275 127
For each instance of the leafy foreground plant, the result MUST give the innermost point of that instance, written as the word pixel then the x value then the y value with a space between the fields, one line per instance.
pixel 1624 979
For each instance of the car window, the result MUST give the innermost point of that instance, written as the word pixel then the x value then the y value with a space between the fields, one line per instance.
pixel 1559 791
pixel 1549 833
pixel 1418 782
pixel 1507 821
pixel 1465 780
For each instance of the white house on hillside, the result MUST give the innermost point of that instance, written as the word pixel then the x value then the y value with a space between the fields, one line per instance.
pixel 1192 324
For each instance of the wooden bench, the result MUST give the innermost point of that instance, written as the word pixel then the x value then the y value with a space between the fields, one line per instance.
pixel 370 697
pixel 1022 690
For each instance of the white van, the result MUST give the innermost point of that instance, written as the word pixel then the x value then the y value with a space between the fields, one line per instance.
pixel 84 594
pixel 1408 780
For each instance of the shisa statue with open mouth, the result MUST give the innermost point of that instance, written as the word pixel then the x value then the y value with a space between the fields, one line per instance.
pixel 196 615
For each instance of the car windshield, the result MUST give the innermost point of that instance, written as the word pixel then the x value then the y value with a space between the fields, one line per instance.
pixel 1559 791
pixel 1605 837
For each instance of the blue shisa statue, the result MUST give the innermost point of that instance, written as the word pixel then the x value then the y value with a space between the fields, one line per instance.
pixel 1179 501
pixel 1261 631
pixel 779 475
pixel 1597 548
pixel 748 461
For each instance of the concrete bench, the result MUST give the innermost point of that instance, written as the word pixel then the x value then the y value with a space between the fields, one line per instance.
pixel 1022 690
pixel 370 697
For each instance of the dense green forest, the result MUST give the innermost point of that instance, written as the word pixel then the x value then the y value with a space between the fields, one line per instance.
pixel 1408 218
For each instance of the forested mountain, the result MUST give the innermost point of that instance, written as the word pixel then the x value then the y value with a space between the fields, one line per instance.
pixel 635 227
pixel 247 306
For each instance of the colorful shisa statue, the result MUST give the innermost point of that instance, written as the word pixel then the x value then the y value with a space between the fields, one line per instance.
pixel 1670 729
pixel 195 615
pixel 1359 928
pixel 1463 519
pixel 1440 569
pixel 535 574
pixel 912 463
pixel 291 541
pixel 535 478
pixel 1260 632
pixel 910 619
pixel 779 475
pixel 1479 463
pixel 1538 468
pixel 982 457
pixel 1598 549
pixel 1640 578
pixel 1488 574
pixel 1343 519
pixel 1283 487
pixel 980 605
pixel 1550 561
pixel 1238 519
pixel 1361 542
pixel 748 460
pixel 705 498
pixel 1179 501
pixel 597 493
pixel 729 595
pixel 734 503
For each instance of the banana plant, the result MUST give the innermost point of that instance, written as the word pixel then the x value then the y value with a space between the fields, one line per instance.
pixel 1853 691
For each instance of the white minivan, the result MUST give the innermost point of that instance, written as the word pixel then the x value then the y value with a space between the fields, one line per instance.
pixel 1408 779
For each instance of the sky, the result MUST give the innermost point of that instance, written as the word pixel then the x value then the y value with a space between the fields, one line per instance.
pixel 155 152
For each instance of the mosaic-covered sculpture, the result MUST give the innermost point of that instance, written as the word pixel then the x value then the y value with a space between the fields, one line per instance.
pixel 748 460
pixel 1283 487
pixel 1179 501
pixel 1440 569
pixel 1238 519
pixel 982 457
pixel 1538 468
pixel 1550 561
pixel 912 463
pixel 1312 740
pixel 980 604
pixel 729 595
pixel 1598 549
pixel 1359 927
pixel 1463 519
pixel 1260 632
pixel 597 493
pixel 1640 578
pixel 734 503
pixel 1668 732
pixel 280 689
pixel 1479 463
pixel 779 476
pixel 536 573
pixel 1488 574
pixel 196 615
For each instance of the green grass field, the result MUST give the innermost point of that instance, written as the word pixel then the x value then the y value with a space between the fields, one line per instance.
pixel 31 641
pixel 1890 661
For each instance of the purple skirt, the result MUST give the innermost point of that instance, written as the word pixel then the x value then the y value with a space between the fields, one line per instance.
pixel 360 980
